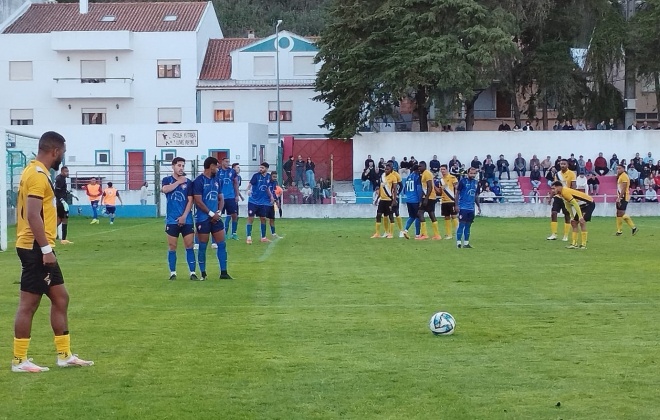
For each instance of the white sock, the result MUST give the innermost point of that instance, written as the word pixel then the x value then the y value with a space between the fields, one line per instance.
pixel 467 242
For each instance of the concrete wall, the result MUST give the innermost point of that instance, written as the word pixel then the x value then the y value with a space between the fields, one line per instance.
pixel 465 145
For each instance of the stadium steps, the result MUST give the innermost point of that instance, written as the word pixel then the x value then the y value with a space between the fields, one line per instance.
pixel 607 188
pixel 511 191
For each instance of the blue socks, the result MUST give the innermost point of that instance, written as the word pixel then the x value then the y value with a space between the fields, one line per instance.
pixel 171 259
pixel 201 256
pixel 466 231
pixel 222 255
pixel 190 257
pixel 263 230
pixel 248 230
pixel 459 231
pixel 272 229
pixel 227 219
pixel 234 226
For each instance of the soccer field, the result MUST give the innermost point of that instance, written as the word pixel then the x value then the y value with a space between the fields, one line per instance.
pixel 327 323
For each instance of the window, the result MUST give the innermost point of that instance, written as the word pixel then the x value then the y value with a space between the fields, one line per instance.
pixel 264 66
pixel 108 18
pixel 650 116
pixel 223 111
pixel 20 70
pixel 166 156
pixel 102 157
pixel 92 71
pixel 254 152
pixel 304 66
pixel 92 116
pixel 285 111
pixel 169 69
pixel 21 116
pixel 170 18
pixel 169 115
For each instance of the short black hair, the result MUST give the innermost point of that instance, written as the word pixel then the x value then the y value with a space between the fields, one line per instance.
pixel 109 184
pixel 210 161
pixel 415 167
pixel 443 166
pixel 177 160
pixel 265 165
pixel 233 165
pixel 51 140
pixel 64 167
pixel 557 184
pixel 273 172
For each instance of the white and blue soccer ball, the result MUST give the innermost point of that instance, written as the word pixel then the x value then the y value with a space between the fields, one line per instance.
pixel 442 323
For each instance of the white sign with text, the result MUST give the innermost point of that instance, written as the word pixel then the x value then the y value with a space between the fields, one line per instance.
pixel 176 138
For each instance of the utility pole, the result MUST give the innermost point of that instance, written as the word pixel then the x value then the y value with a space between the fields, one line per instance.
pixel 630 78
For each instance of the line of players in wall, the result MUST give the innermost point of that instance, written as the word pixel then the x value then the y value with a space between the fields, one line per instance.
pixel 458 199
pixel 213 193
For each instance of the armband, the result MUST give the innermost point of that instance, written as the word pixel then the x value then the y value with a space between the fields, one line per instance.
pixel 211 213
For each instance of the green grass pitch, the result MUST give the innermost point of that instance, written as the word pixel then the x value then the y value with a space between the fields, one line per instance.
pixel 327 323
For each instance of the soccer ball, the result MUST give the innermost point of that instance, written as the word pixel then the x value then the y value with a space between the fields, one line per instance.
pixel 442 323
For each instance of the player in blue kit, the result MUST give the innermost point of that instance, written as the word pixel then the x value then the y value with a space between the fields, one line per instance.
pixel 207 193
pixel 259 201
pixel 178 221
pixel 228 177
pixel 467 199
pixel 412 191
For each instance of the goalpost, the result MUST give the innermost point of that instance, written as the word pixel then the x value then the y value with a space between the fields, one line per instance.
pixel 18 150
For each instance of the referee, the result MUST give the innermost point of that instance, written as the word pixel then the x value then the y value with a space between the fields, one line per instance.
pixel 41 275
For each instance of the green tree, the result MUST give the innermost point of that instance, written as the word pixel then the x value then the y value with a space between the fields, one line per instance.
pixel 644 44
pixel 375 53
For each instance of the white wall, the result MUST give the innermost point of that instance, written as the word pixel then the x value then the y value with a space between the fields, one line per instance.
pixel 252 106
pixel 208 28
pixel 465 145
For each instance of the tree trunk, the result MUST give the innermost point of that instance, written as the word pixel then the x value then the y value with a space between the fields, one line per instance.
pixel 516 109
pixel 545 111
pixel 469 111
pixel 422 110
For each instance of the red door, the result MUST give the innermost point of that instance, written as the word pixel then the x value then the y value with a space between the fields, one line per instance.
pixel 219 154
pixel 135 175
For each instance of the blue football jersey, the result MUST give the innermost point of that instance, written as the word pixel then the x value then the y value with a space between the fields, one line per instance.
pixel 177 199
pixel 260 185
pixel 413 188
pixel 467 191
pixel 209 189
pixel 226 177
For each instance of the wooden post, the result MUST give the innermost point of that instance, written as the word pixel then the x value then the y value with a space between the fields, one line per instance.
pixel 332 180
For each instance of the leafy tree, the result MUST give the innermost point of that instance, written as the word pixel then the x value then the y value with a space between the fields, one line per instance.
pixel 644 45
pixel 374 53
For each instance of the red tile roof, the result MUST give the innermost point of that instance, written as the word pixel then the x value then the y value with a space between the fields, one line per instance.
pixel 217 63
pixel 136 17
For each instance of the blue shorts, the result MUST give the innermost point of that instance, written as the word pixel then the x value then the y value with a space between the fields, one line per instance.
pixel 413 209
pixel 207 227
pixel 465 216
pixel 110 209
pixel 231 207
pixel 271 212
pixel 175 230
pixel 258 210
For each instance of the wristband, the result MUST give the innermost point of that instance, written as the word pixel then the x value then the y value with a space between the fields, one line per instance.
pixel 46 249
pixel 211 213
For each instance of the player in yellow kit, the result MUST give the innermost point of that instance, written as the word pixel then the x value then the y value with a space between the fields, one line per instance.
pixel 447 186
pixel 109 199
pixel 387 198
pixel 622 198
pixel 428 202
pixel 567 179
pixel 580 206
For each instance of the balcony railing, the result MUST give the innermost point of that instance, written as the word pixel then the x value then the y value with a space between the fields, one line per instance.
pixel 89 87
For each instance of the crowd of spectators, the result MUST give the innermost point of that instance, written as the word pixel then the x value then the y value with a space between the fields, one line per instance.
pixel 580 125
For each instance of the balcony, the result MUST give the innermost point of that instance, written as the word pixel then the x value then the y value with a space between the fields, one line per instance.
pixel 108 88
pixel 92 41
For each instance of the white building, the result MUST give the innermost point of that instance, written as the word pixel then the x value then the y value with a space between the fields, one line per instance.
pixel 239 78
pixel 104 63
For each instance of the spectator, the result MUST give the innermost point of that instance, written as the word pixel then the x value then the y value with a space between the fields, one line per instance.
pixel 633 174
pixel 324 187
pixel 369 178
pixel 572 163
pixel 404 168
pixel 454 169
pixel 381 166
pixel 649 181
pixel 520 165
pixel 546 164
pixel 434 165
pixel 413 161
pixel 144 193
pixel 288 167
pixel 307 194
pixel 504 127
pixel 611 125
pixel 454 160
pixel 601 126
pixel 593 184
pixel 550 175
pixel 476 163
pixel 557 163
pixel 534 196
pixel 580 126
pixel 487 157
pixel 556 126
pixel 637 195
pixel 516 127
pixel 487 196
pixel 581 183
pixel 614 161
pixel 601 165
pixel 638 162
pixel 645 126
pixel 535 177
pixel 534 161
pixel 567 126
pixel 656 180
pixel 582 165
pixel 309 171
pixel 528 127
pixel 497 191
pixel 651 196
pixel 633 126
pixel 300 171
pixel 489 170
pixel 366 162
pixel 395 164
pixel 648 159
pixel 502 167
pixel 589 167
